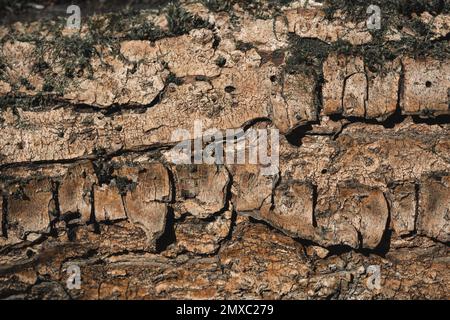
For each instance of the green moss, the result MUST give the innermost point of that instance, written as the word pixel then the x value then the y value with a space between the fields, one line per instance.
pixel 37 102
pixel 40 66
pixel 147 31
pixel 342 47
pixel 3 66
pixel 88 121
pixel 306 55
pixel 262 9
pixel 396 14
pixel 420 27
pixel 47 86
pixel 54 83
pixel 221 61
pixel 218 5
pixel 74 53
pixel 181 21
pixel 131 25
pixel 24 82
pixel 378 52
pixel 172 78
pixel 435 7
pixel 19 194
pixel 356 9
pixel 124 184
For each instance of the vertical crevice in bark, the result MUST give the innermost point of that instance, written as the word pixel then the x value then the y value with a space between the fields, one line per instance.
pixel 401 87
pixel 296 136
pixel 54 209
pixel 366 100
pixel 314 204
pixel 4 213
pixel 385 243
pixel 168 237
pixel 417 206
pixel 93 219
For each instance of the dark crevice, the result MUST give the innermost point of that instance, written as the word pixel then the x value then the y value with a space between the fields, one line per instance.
pixel 319 93
pixel 93 219
pixel 45 102
pixel 247 125
pixel 367 92
pixel 98 155
pixel 437 120
pixel 119 109
pixel 296 136
pixel 383 247
pixel 334 250
pixel 337 250
pixel 385 243
pixel 55 212
pixel 229 89
pixel 71 230
pixel 172 185
pixel 401 87
pixel 90 253
pixel 315 197
pixel 168 237
pixel 4 213
pixel 396 118
pixel 23 245
pixel 103 170
pixel 233 224
pixel 228 206
pixel 417 207
pixel 39 163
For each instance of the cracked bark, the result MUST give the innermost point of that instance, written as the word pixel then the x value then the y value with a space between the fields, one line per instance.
pixel 363 179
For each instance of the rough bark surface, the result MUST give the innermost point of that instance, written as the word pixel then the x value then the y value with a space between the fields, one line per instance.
pixel 86 178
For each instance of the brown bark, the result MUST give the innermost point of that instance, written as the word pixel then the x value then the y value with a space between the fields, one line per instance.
pixel 85 150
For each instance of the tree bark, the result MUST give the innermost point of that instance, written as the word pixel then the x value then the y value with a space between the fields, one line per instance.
pixel 87 122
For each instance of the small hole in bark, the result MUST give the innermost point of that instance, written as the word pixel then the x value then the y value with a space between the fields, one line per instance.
pixel 168 237
pixel 201 78
pixel 216 42
pixel 221 61
pixel 273 78
pixel 229 89
pixel 134 69
pixel 30 253
pixel 324 171
pixel 373 68
pixel 428 84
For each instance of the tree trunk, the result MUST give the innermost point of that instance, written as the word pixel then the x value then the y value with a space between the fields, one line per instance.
pixel 358 205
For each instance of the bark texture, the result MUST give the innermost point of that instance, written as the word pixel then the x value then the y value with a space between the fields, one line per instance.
pixel 86 177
